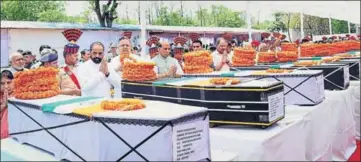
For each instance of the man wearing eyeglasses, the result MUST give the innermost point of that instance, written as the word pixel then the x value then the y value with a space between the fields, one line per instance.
pixel 17 62
pixel 95 76
pixel 124 48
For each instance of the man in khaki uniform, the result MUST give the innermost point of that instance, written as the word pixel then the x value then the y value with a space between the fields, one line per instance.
pixel 68 82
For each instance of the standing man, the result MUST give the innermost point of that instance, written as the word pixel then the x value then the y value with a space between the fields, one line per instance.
pixel 233 44
pixel 16 62
pixel 43 49
pixel 167 66
pixel 112 52
pixel 85 55
pixel 68 82
pixel 197 45
pixel 50 59
pixel 96 77
pixel 221 59
pixel 124 48
pixel 29 59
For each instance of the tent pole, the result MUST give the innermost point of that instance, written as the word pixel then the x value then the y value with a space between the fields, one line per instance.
pixel 301 18
pixel 330 24
pixel 143 32
pixel 249 23
pixel 302 35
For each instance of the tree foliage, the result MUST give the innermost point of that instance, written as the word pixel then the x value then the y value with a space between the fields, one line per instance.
pixel 157 14
pixel 30 10
pixel 106 13
pixel 47 11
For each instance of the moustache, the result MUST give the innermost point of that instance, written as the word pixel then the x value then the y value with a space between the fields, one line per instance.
pixel 97 60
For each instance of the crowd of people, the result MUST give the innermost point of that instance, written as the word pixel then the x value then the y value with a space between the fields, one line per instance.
pixel 97 72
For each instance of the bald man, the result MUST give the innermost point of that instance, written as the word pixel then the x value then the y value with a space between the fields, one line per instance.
pixel 17 62
pixel 221 58
pixel 167 66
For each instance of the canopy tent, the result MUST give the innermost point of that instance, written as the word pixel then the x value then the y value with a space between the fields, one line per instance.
pixel 200 30
pixel 342 10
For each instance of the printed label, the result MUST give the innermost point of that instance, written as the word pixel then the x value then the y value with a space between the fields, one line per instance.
pixel 191 141
pixel 276 106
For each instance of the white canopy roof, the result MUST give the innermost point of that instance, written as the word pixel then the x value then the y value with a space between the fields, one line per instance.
pixel 343 10
pixel 201 30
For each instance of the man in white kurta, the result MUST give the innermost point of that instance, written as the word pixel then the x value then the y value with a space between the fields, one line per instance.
pixel 123 48
pixel 222 59
pixel 95 76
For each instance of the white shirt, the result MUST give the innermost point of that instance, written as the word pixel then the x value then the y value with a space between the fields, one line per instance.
pixel 217 59
pixel 95 83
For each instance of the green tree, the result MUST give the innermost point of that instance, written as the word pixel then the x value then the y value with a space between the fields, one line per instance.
pixel 172 18
pixel 262 25
pixel 127 21
pixel 221 16
pixel 106 13
pixel 18 10
pixel 339 26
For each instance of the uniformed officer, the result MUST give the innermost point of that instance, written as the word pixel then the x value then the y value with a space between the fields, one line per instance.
pixel 49 60
pixel 68 80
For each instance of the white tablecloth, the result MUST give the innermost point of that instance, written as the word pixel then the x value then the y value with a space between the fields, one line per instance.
pixel 324 132
pixel 11 150
pixel 355 86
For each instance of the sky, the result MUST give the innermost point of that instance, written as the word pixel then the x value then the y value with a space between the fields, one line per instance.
pixel 77 7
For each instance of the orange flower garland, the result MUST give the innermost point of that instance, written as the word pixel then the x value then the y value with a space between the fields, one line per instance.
pixel 331 59
pixel 197 62
pixel 36 83
pixel 266 57
pixel 126 56
pixel 139 71
pixel 287 56
pixel 243 57
pixel 289 47
pixel 223 81
pixel 307 63
pixel 278 71
pixel 310 50
pixel 123 105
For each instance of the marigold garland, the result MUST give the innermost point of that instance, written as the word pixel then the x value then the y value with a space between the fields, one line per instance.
pixel 243 57
pixel 139 71
pixel 123 57
pixel 223 81
pixel 329 49
pixel 287 56
pixel 36 83
pixel 197 62
pixel 278 71
pixel 123 105
pixel 331 59
pixel 267 57
pixel 307 63
pixel 289 47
